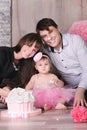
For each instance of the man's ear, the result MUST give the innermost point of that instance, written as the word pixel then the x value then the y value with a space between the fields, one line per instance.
pixel 58 28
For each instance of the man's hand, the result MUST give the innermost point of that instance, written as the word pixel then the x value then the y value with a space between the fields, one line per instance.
pixel 79 97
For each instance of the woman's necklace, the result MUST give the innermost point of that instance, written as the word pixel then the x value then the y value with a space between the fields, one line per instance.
pixel 15 67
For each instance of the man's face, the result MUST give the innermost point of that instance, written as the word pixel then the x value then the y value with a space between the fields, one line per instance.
pixel 51 37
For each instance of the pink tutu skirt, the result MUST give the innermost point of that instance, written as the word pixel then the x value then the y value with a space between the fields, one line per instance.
pixel 52 96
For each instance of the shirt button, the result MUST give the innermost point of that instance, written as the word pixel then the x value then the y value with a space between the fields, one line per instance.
pixel 62 60
pixel 65 66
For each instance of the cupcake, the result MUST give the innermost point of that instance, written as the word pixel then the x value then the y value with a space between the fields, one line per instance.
pixel 20 102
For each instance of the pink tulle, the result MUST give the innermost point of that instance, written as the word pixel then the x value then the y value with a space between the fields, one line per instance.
pixel 79 114
pixel 52 96
pixel 80 28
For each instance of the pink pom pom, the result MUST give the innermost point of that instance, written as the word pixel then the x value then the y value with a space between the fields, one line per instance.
pixel 80 28
pixel 79 114
pixel 38 56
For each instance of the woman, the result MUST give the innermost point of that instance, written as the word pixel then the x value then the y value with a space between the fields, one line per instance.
pixel 16 63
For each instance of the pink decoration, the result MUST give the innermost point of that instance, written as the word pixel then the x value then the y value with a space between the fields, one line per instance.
pixel 80 28
pixel 6 114
pixel 38 56
pixel 79 114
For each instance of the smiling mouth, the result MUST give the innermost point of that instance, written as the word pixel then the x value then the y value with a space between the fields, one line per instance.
pixel 52 40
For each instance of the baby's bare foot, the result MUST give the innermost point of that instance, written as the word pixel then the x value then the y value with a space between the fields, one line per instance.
pixel 47 107
pixel 60 106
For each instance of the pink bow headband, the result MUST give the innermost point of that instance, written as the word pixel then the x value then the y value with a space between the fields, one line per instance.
pixel 38 56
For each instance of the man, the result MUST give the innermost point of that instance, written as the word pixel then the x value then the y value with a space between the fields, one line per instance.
pixel 69 54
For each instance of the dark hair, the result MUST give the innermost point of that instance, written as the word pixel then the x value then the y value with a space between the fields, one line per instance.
pixel 26 71
pixel 29 39
pixel 44 24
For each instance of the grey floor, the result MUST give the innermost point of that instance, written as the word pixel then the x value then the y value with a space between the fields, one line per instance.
pixel 49 120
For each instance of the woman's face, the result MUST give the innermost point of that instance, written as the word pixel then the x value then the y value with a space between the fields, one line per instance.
pixel 28 51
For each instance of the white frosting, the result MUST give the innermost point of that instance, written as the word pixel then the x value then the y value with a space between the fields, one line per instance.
pixel 20 95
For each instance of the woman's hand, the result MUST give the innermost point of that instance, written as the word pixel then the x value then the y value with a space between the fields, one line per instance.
pixel 79 97
pixel 59 83
pixel 4 93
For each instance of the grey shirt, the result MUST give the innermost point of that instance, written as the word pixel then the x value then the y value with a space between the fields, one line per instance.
pixel 71 60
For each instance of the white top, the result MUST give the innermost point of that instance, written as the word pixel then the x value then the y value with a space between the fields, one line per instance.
pixel 71 61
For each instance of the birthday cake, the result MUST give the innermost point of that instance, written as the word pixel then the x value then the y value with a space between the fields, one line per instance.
pixel 20 103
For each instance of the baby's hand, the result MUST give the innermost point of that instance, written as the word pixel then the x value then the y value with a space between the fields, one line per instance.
pixel 52 82
pixel 59 83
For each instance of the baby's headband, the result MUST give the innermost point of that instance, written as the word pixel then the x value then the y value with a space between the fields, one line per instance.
pixel 38 56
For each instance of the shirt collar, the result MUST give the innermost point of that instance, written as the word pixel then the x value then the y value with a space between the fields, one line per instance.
pixel 65 41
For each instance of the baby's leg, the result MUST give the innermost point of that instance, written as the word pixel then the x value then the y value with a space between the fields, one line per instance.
pixel 61 104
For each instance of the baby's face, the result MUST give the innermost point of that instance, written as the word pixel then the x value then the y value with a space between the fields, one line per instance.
pixel 43 66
